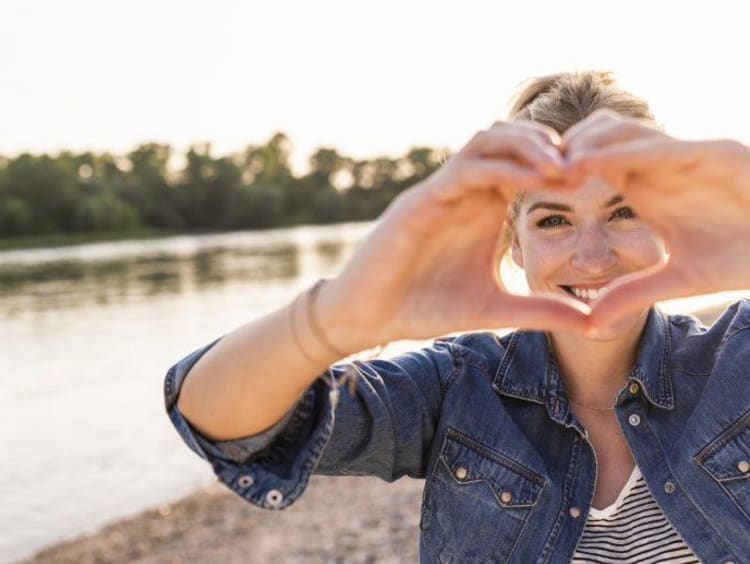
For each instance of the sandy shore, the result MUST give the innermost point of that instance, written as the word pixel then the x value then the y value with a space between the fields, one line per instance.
pixel 338 519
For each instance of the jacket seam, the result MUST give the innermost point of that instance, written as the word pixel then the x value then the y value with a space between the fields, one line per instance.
pixel 547 551
pixel 692 372
pixel 729 336
pixel 451 377
pixel 428 545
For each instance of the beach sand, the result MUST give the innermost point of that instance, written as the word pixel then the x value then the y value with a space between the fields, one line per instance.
pixel 336 520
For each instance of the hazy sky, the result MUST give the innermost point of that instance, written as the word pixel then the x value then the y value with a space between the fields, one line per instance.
pixel 365 77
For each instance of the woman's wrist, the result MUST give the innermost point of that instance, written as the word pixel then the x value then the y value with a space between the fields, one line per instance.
pixel 336 324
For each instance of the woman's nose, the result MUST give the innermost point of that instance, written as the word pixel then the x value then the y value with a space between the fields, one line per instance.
pixel 594 254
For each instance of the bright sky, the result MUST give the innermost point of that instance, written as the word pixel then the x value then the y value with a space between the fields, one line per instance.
pixel 366 77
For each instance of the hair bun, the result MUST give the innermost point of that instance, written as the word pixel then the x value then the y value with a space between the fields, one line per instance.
pixel 563 99
pixel 532 88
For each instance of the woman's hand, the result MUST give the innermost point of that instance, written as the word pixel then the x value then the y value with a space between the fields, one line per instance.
pixel 695 194
pixel 431 266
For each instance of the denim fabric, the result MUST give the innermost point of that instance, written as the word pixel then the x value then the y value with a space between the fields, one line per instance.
pixel 486 422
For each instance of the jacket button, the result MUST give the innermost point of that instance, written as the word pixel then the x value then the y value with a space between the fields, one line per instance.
pixel 743 466
pixel 633 388
pixel 634 419
pixel 245 481
pixel 461 472
pixel 574 512
pixel 505 497
pixel 669 487
pixel 274 498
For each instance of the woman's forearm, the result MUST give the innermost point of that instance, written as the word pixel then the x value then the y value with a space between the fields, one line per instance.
pixel 253 375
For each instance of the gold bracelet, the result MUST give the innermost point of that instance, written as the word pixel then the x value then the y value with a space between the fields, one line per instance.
pixel 314 323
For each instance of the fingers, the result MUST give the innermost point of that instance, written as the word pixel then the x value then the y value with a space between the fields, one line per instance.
pixel 606 134
pixel 471 175
pixel 545 133
pixel 524 144
pixel 538 312
pixel 593 121
pixel 636 292
pixel 601 132
pixel 640 157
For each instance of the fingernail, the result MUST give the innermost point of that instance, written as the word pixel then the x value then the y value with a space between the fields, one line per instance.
pixel 555 158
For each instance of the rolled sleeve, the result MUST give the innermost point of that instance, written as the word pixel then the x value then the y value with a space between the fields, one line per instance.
pixel 235 450
pixel 385 428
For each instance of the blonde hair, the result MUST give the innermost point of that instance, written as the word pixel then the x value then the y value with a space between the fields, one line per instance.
pixel 561 100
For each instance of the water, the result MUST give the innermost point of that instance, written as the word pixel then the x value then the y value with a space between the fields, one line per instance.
pixel 88 333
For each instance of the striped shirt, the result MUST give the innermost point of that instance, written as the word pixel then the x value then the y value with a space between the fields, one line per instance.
pixel 632 529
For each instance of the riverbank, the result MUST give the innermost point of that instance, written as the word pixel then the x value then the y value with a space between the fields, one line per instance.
pixel 338 519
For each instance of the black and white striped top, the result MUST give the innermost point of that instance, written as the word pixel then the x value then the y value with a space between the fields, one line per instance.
pixel 632 529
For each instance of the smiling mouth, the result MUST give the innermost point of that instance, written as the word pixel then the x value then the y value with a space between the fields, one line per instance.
pixel 586 295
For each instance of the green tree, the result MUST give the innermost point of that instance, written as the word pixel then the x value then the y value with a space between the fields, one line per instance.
pixel 207 188
pixel 104 212
pixel 15 216
pixel 49 188
pixel 268 164
pixel 256 188
pixel 145 186
pixel 255 207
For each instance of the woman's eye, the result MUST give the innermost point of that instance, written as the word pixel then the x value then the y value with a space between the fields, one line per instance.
pixel 552 221
pixel 624 212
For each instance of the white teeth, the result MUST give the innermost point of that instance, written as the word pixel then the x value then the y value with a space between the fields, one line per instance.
pixel 589 294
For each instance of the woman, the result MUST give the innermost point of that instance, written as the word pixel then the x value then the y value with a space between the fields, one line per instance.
pixel 599 407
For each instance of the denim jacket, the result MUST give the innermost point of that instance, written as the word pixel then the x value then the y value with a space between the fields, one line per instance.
pixel 509 470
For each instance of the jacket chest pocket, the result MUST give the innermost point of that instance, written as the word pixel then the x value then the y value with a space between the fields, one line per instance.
pixel 476 502
pixel 727 460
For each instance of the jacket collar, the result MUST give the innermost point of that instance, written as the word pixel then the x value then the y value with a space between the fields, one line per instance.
pixel 528 369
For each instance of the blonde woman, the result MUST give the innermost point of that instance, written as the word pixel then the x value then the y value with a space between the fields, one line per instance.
pixel 601 430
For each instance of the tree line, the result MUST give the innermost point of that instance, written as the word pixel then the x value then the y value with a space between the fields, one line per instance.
pixel 253 189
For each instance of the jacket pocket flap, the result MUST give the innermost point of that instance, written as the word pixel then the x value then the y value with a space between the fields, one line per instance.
pixel 470 462
pixel 727 457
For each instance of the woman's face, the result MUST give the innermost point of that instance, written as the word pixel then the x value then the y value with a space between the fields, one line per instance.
pixel 576 242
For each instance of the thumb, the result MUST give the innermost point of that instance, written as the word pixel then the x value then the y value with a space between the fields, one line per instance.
pixel 541 311
pixel 635 292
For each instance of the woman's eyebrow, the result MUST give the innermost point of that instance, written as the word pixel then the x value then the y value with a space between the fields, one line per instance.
pixel 562 207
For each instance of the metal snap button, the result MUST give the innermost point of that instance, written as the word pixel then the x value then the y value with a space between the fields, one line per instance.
pixel 274 498
pixel 743 466
pixel 634 419
pixel 461 472
pixel 245 481
pixel 574 512
pixel 505 497
pixel 669 487
pixel 633 388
